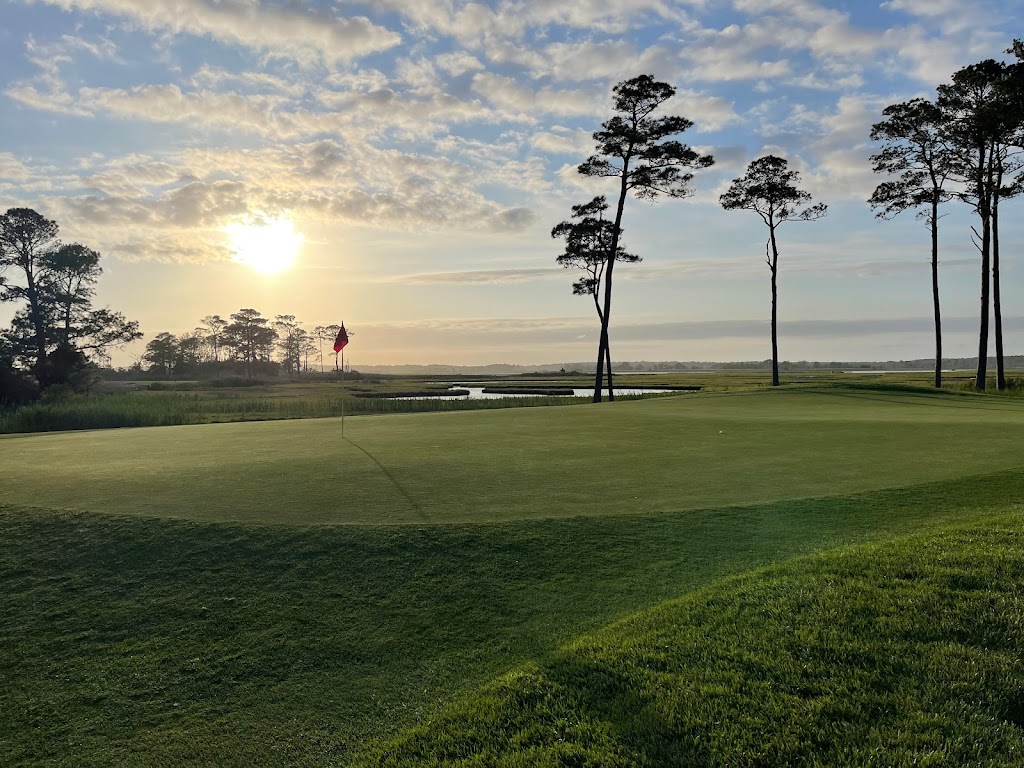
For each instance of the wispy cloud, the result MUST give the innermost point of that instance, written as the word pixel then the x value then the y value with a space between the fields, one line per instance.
pixel 479 277
pixel 302 32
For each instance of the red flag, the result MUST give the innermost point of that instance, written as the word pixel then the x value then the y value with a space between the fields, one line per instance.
pixel 341 340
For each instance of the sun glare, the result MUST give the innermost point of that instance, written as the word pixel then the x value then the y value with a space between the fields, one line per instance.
pixel 268 246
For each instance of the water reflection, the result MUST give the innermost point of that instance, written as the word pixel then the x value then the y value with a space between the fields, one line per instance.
pixel 477 393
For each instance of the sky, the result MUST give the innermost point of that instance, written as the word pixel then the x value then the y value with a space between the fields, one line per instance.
pixel 422 150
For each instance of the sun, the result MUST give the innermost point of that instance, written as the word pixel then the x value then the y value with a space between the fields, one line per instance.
pixel 268 246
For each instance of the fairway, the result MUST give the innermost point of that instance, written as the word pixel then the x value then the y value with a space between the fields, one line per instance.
pixel 640 457
pixel 270 593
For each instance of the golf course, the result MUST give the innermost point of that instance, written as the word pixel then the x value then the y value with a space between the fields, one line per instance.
pixel 819 574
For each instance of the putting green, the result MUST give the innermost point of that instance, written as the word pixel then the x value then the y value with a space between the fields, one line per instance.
pixel 671 454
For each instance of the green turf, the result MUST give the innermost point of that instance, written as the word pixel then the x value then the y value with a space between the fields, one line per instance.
pixel 907 653
pixel 238 634
pixel 665 455
pixel 127 641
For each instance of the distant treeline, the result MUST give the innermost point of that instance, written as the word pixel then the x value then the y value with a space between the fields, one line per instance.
pixel 641 366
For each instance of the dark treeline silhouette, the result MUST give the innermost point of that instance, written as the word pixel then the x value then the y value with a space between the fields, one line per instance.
pixel 56 328
pixel 635 149
pixel 964 146
pixel 245 344
pixel 768 189
pixel 647 366
pixel 967 145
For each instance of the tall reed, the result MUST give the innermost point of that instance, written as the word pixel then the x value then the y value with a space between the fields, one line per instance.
pixel 157 409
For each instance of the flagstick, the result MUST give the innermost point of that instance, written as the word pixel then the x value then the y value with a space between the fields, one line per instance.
pixel 342 391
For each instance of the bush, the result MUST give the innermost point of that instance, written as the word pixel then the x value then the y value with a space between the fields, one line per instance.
pixel 16 388
pixel 234 381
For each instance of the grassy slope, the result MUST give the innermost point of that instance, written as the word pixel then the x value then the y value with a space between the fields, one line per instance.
pixel 128 641
pixel 637 457
pixel 172 642
pixel 902 654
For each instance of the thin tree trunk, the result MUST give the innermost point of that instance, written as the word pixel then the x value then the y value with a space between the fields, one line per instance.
pixel 36 314
pixel 67 316
pixel 601 355
pixel 996 303
pixel 980 380
pixel 607 312
pixel 935 292
pixel 608 353
pixel 985 212
pixel 775 306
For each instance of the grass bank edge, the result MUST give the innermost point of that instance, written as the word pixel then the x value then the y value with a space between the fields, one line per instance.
pixel 538 584
pixel 613 697
pixel 171 407
pixel 977 494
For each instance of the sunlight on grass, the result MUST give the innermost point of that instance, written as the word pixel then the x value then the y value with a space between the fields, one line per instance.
pixel 904 653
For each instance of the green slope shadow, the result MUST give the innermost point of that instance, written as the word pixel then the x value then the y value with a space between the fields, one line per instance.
pixel 905 653
pixel 135 641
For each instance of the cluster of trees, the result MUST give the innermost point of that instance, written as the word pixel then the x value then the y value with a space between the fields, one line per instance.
pixel 967 145
pixel 55 329
pixel 245 343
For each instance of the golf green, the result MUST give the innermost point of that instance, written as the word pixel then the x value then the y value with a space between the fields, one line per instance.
pixel 664 455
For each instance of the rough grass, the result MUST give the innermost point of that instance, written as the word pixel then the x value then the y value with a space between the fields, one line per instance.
pixel 901 654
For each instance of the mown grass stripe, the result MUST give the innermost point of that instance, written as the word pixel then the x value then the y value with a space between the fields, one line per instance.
pixel 286 645
pixel 906 653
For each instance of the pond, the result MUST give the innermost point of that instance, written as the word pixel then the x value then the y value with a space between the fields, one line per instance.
pixel 477 393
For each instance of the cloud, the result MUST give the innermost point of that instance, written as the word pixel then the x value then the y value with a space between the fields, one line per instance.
pixel 525 104
pixel 13 169
pixel 458 63
pixel 125 205
pixel 709 113
pixel 481 25
pixel 259 114
pixel 560 140
pixel 545 332
pixel 479 277
pixel 296 30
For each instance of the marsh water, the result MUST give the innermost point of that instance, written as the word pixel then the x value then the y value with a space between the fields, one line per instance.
pixel 477 393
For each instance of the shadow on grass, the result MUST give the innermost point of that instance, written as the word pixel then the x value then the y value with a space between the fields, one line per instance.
pixel 394 481
pixel 165 642
pixel 874 655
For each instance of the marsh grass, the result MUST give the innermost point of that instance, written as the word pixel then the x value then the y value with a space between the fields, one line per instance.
pixel 160 409
pixel 142 404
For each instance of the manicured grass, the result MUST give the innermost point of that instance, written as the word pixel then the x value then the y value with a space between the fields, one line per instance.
pixel 127 641
pixel 907 653
pixel 662 455
pixel 221 599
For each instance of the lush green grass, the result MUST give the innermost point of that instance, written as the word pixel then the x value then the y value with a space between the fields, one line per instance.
pixel 237 634
pixel 154 404
pixel 902 654
pixel 127 641
pixel 662 455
